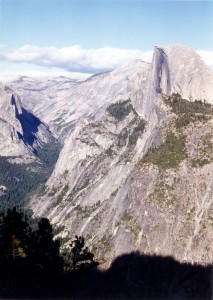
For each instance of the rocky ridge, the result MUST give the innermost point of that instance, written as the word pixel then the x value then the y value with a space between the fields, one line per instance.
pixel 24 142
pixel 136 166
pixel 21 131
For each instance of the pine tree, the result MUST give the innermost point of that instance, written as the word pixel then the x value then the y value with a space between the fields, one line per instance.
pixel 25 251
pixel 45 250
pixel 79 256
pixel 14 234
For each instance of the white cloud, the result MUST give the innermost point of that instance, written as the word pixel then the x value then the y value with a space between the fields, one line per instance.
pixel 78 59
pixel 75 58
pixel 207 57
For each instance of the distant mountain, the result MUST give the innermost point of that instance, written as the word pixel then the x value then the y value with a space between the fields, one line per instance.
pixel 136 165
pixel 40 95
pixel 24 140
pixel 61 102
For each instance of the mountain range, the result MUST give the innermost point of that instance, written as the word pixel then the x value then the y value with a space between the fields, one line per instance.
pixel 123 158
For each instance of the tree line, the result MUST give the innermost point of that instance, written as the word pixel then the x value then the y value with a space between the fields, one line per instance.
pixel 32 267
pixel 32 250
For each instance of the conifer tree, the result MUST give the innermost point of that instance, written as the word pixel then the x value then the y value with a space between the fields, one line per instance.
pixel 79 256
pixel 14 234
pixel 45 249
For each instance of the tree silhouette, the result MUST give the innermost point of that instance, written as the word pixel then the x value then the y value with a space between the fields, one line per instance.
pixel 24 250
pixel 14 234
pixel 45 251
pixel 79 256
pixel 130 276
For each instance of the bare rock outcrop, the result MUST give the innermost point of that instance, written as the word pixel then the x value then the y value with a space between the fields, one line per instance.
pixel 135 170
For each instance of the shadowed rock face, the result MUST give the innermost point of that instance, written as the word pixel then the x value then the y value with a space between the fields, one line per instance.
pixel 139 276
pixel 161 72
pixel 130 276
pixel 21 131
pixel 105 188
pixel 25 158
pixel 186 72
pixel 29 123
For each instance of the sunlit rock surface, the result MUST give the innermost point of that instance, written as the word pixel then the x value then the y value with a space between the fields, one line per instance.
pixel 108 184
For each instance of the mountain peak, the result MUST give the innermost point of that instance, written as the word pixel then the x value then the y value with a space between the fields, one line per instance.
pixel 171 48
pixel 131 163
pixel 179 69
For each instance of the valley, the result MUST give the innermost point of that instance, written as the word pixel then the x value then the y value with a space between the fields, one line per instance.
pixel 123 158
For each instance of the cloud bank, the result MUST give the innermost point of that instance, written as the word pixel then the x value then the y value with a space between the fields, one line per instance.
pixel 78 59
pixel 75 58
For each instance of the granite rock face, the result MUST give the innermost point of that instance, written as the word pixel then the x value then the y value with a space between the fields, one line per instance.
pixel 21 131
pixel 135 169
pixel 26 160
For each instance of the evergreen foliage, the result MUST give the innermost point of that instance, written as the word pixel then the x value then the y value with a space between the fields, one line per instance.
pixel 23 250
pixel 18 179
pixel 137 131
pixel 45 250
pixel 180 105
pixel 188 111
pixel 169 154
pixel 79 256
pixel 21 179
pixel 120 110
pixel 26 251
pixel 14 235
pixel 29 269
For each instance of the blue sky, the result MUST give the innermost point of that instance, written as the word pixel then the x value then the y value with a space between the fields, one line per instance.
pixel 95 35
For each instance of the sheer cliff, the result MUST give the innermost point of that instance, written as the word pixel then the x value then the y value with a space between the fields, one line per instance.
pixel 24 140
pixel 135 169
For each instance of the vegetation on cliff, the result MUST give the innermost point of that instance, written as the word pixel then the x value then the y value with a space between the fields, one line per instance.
pixel 21 179
pixel 169 154
pixel 32 267
pixel 188 111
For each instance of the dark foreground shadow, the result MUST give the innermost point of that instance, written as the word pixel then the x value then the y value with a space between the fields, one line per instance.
pixel 131 276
